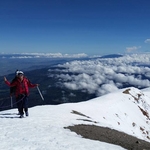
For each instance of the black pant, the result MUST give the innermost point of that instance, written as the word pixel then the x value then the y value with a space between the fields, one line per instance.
pixel 22 103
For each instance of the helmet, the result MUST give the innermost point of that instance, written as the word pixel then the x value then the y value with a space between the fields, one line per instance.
pixel 19 72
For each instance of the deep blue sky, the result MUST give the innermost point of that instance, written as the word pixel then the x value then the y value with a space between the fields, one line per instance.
pixel 74 26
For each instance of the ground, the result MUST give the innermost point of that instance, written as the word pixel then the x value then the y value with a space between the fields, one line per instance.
pixel 110 136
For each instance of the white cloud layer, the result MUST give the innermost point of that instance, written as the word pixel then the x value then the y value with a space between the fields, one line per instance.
pixel 47 55
pixel 102 76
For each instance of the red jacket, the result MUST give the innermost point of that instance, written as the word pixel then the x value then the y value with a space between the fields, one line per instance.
pixel 22 87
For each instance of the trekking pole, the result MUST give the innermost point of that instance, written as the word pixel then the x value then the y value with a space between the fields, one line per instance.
pixel 11 101
pixel 40 93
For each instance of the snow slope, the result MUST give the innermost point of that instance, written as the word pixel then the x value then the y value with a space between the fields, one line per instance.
pixel 126 110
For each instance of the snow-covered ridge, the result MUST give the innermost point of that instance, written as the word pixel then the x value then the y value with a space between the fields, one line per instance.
pixel 126 110
pixel 140 100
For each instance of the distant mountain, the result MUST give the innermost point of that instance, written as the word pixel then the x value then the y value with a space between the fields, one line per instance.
pixel 116 121
pixel 112 56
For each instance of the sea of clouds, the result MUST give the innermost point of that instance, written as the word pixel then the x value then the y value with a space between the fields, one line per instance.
pixel 104 75
pixel 97 75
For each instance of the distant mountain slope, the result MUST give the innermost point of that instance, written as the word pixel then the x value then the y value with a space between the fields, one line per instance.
pixel 112 56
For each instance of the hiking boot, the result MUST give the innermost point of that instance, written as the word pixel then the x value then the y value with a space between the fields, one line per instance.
pixel 27 114
pixel 21 116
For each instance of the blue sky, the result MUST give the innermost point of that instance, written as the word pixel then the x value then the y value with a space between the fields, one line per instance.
pixel 75 26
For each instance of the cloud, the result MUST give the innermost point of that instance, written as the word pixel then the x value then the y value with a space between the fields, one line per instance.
pixel 106 88
pixel 133 48
pixel 147 41
pixel 101 76
pixel 59 55
pixel 47 55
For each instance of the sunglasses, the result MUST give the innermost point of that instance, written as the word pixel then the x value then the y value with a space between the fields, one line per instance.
pixel 20 75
